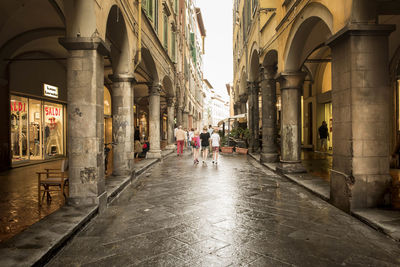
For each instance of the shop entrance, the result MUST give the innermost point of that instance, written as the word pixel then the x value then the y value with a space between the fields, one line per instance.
pixel 37 129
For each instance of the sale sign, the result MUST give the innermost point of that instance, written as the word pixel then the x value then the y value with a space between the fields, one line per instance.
pixel 52 111
pixel 18 106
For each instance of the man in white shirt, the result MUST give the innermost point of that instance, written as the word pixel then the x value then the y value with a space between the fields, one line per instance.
pixel 215 139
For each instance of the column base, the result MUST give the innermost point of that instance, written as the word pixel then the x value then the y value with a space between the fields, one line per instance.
pixel 290 167
pixel 153 154
pixel 170 147
pixel 269 157
pixel 100 201
pixel 359 191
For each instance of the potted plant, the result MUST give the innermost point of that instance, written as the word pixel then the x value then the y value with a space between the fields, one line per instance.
pixel 224 145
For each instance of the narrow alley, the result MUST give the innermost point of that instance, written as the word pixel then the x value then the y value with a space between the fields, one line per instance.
pixel 236 213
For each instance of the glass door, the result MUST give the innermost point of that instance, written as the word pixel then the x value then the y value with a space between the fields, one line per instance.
pixel 35 130
pixel 19 128
pixel 53 130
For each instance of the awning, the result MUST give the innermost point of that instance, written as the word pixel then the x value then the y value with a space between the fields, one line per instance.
pixel 240 117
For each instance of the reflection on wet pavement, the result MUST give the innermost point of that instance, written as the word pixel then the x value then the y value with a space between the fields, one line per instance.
pixel 317 163
pixel 233 214
pixel 18 199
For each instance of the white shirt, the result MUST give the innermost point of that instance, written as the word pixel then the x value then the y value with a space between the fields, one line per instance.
pixel 215 139
pixel 191 135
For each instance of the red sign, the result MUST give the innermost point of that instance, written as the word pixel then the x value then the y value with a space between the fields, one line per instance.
pixel 52 111
pixel 18 106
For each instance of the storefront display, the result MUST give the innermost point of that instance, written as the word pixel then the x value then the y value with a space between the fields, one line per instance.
pixel 19 128
pixel 37 129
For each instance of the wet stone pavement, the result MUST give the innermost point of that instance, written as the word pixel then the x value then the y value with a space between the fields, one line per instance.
pixel 233 214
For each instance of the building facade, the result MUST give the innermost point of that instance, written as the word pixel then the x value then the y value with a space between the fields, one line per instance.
pixel 300 62
pixel 75 75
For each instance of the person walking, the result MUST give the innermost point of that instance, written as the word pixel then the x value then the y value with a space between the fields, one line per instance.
pixel 180 140
pixel 190 137
pixel 323 136
pixel 215 138
pixel 210 131
pixel 196 147
pixel 205 143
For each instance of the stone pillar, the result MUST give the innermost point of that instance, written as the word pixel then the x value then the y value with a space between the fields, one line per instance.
pixel 171 116
pixel 253 116
pixel 361 119
pixel 122 125
pixel 5 142
pixel 154 121
pixel 291 87
pixel 179 116
pixel 85 83
pixel 269 131
pixel 242 103
pixel 185 123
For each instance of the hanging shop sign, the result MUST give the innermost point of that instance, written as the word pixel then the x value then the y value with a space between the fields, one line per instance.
pixel 50 90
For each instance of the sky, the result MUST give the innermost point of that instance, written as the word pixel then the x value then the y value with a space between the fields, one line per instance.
pixel 217 60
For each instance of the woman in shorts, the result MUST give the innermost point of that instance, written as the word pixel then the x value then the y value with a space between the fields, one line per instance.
pixel 205 142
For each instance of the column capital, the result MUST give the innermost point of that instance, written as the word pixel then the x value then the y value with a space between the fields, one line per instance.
pixel 155 89
pixel 243 98
pixel 85 43
pixel 170 101
pixel 291 80
pixel 253 87
pixel 268 72
pixel 122 78
pixel 361 30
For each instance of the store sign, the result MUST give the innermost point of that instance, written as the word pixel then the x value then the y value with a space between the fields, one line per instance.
pixel 50 91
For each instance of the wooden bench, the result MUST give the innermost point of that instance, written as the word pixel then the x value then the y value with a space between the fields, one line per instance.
pixel 52 180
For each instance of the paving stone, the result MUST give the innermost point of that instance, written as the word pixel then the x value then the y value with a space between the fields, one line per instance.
pixel 235 214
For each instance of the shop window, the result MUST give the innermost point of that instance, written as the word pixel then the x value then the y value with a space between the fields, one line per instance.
pixel 19 128
pixel 53 129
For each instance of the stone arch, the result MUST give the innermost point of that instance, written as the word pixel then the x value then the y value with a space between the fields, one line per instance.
pixel 168 87
pixel 254 64
pixel 150 65
pixel 116 34
pixel 81 18
pixel 243 82
pixel 310 31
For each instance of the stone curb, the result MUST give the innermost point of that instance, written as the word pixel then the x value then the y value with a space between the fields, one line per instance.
pixel 36 245
pixel 384 221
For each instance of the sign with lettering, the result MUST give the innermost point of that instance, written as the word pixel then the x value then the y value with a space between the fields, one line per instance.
pixel 52 111
pixel 50 90
pixel 18 106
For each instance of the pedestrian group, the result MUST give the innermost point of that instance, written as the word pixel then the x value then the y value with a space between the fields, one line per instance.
pixel 208 140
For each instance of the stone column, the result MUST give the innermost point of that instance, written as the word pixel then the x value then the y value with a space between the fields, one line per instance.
pixel 291 87
pixel 361 98
pixel 171 116
pixel 85 83
pixel 269 131
pixel 122 125
pixel 179 116
pixel 185 123
pixel 242 103
pixel 253 116
pixel 5 142
pixel 154 121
